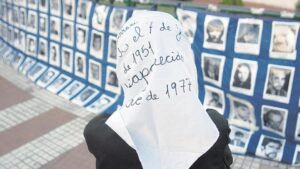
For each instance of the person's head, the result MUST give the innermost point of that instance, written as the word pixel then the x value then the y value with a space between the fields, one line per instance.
pixel 117 18
pixel 99 14
pixel 273 119
pixel 284 38
pixel 80 36
pixel 67 31
pixel 243 73
pixel 42 47
pixel 211 68
pixel 31 45
pixel 187 22
pixel 83 10
pixel 215 96
pixel 53 52
pixel 43 24
pixel 112 78
pixel 86 94
pixel 97 42
pixel 277 78
pixel 242 111
pixel 79 64
pixel 271 147
pixel 239 135
pixel 249 33
pixel 215 30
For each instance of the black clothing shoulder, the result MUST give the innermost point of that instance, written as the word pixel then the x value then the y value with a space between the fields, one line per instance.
pixel 112 152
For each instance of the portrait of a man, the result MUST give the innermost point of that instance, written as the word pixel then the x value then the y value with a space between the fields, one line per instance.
pixel 97 42
pixel 278 82
pixel 270 148
pixel 284 40
pixel 274 119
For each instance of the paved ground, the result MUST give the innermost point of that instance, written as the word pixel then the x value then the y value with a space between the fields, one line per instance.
pixel 41 130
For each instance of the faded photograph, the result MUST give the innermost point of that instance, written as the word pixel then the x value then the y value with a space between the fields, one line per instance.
pixel 283 40
pixel 99 16
pixel 95 72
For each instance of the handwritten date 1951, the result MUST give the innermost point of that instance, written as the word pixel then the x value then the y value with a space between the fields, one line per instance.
pixel 142 53
pixel 178 87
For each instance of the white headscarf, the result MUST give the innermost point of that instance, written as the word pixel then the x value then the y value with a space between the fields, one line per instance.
pixel 161 116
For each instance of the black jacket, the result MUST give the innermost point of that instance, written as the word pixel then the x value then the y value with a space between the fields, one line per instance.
pixel 112 152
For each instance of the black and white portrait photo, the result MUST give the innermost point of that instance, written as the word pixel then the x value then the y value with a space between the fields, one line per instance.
pixel 212 68
pixel 43 5
pixel 95 72
pixel 117 19
pixel 296 157
pixel 67 59
pixel 33 4
pixel 68 33
pixel 188 20
pixel 27 64
pixel 31 45
pixel 248 36
pixel 83 11
pixel 101 104
pixel 112 82
pixel 241 113
pixel 97 42
pixel 243 76
pixel 239 139
pixel 283 40
pixel 55 28
pixel 23 18
pixel 80 65
pixel 55 7
pixel 54 54
pixel 15 16
pixel 81 35
pixel 17 61
pixel 215 32
pixel 72 89
pixel 36 71
pixel 278 83
pixel 214 99
pixel 43 50
pixel 270 148
pixel 85 96
pixel 297 131
pixel 59 83
pixel 47 77
pixel 32 21
pixel 43 25
pixel 69 9
pixel 112 49
pixel 274 119
pixel 99 17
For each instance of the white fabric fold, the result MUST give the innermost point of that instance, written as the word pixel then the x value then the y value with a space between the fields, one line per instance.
pixel 161 116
